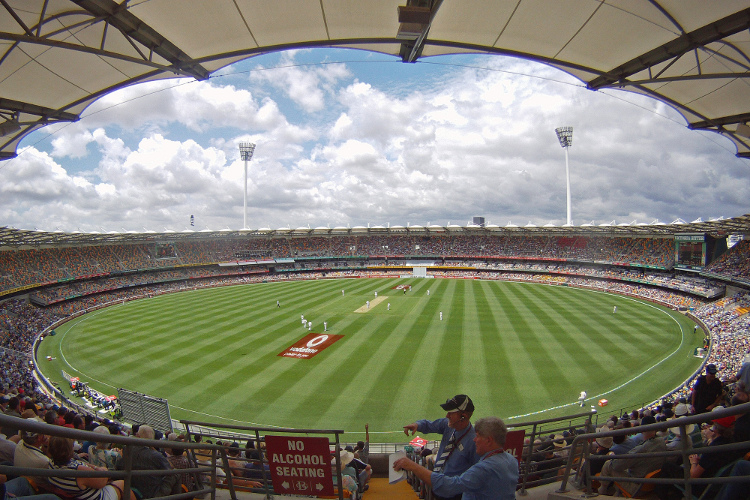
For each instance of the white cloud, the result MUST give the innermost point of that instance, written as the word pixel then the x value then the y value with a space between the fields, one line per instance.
pixel 474 142
pixel 306 86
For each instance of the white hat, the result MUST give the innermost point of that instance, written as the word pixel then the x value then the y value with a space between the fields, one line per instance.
pixel 346 457
pixel 681 409
pixel 604 442
pixel 689 428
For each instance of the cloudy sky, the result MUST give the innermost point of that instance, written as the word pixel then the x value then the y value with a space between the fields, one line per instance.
pixel 354 138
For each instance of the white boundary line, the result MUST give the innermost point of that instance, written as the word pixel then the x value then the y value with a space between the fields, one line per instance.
pixel 648 304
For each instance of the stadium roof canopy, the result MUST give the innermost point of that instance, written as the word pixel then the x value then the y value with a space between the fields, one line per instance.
pixel 11 238
pixel 58 56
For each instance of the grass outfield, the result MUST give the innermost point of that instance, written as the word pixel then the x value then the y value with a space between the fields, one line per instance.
pixel 520 350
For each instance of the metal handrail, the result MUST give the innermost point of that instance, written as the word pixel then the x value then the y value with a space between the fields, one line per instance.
pixel 126 442
pixel 685 450
pixel 535 425
pixel 257 431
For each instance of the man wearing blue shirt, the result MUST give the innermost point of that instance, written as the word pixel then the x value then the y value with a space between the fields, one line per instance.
pixel 457 451
pixel 494 476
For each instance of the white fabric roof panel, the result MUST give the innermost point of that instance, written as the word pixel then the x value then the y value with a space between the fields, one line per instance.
pixel 57 56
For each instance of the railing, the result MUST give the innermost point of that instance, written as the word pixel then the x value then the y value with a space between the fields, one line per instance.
pixel 686 482
pixel 126 443
pixel 245 433
pixel 530 467
pixel 202 473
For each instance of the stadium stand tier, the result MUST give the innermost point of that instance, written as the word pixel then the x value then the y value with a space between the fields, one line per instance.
pixel 42 286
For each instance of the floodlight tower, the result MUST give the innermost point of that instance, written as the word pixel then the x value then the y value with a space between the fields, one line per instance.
pixel 246 154
pixel 565 136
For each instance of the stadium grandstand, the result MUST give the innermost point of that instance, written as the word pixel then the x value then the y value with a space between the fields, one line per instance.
pixel 48 277
pixel 59 56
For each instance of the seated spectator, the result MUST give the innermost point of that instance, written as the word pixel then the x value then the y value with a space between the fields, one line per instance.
pixel 622 444
pixel 736 491
pixel 12 411
pixel 363 470
pixel 29 454
pixel 100 454
pixel 635 466
pixel 51 417
pixel 253 469
pixel 178 460
pixel 19 487
pixel 237 468
pixel 349 478
pixel 83 488
pixel 717 433
pixel 674 436
pixel 601 448
pixel 148 458
pixel 7 450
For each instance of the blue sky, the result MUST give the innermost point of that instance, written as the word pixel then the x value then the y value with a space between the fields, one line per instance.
pixel 349 137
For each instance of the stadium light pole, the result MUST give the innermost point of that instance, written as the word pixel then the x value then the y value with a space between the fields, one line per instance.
pixel 246 153
pixel 565 136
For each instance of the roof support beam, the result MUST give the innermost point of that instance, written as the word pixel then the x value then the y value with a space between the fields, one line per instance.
pixel 132 27
pixel 720 121
pixel 33 109
pixel 411 50
pixel 713 32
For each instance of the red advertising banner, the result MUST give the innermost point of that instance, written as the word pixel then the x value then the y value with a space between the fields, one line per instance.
pixel 300 465
pixel 309 345
pixel 514 443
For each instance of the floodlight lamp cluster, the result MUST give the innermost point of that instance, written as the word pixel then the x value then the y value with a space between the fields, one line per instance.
pixel 246 151
pixel 565 136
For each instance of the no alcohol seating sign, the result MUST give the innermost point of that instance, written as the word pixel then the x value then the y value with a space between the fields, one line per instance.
pixel 309 345
pixel 300 465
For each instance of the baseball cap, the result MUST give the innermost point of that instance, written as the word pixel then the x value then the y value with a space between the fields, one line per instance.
pixel 648 419
pixel 460 402
pixel 711 369
pixel 725 422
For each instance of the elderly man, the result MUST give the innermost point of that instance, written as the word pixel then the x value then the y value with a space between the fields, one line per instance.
pixel 635 466
pixel 457 450
pixel 28 453
pixel 148 458
pixel 494 476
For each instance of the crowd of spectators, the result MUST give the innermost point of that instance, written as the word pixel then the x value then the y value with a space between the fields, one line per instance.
pixel 30 267
pixel 728 336
pixel 726 321
pixel 735 263
pixel 39 449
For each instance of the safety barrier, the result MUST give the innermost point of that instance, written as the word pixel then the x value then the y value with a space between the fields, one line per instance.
pixel 686 483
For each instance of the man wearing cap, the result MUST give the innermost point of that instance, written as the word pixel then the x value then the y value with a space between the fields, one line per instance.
pixel 707 391
pixel 457 451
pixel 708 464
pixel 494 476
pixel 29 454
